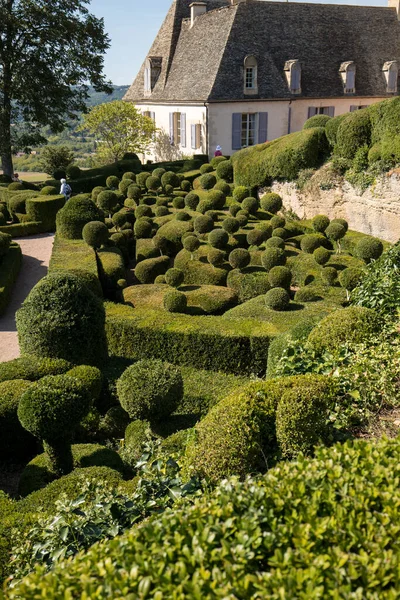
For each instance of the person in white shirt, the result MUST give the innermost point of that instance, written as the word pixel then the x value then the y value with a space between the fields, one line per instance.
pixel 65 189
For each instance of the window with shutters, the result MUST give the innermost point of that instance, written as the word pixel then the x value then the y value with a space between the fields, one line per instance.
pixel 348 74
pixel 321 110
pixel 250 75
pixel 248 129
pixel 360 107
pixel 196 141
pixel 293 76
pixel 177 126
pixel 391 73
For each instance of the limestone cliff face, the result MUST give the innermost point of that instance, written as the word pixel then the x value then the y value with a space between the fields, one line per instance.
pixel 375 212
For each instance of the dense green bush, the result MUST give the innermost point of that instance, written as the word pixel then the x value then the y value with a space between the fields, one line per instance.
pixel 310 242
pixel 280 277
pixel 332 127
pixel 15 441
pixel 174 277
pixel 353 133
pixel 320 223
pixel 321 255
pixel 150 389
pixel 112 182
pixel 251 205
pixel 216 257
pixel 62 318
pixel 175 301
pixel 231 225
pixel 107 201
pixel 203 224
pixel 5 242
pixel 50 409
pixel 142 228
pixel 48 190
pixel 147 270
pixel 239 258
pixel 207 181
pixel 223 186
pixel 206 168
pixel 329 275
pixel 307 294
pixel 137 434
pixel 191 243
pixel 95 234
pixel 353 324
pixel 44 210
pixel 218 238
pixel 240 192
pixel 90 378
pixel 31 368
pixel 192 200
pixel 369 248
pixel 275 242
pixel 317 121
pixel 271 202
pixel 225 171
pixel 248 285
pixel 335 232
pixel 78 211
pixel 134 192
pixel 273 257
pixel 350 278
pixel 277 299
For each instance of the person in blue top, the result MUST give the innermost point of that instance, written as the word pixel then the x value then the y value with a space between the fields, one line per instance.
pixel 65 189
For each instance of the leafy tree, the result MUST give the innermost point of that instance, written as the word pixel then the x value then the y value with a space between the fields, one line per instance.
pixel 53 158
pixel 120 128
pixel 49 51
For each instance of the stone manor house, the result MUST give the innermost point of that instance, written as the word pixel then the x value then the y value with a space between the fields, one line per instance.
pixel 239 72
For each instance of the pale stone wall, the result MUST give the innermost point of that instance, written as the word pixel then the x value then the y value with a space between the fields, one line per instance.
pixel 375 212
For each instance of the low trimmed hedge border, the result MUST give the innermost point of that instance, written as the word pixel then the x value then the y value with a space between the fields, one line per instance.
pixel 10 266
pixel 76 257
pixel 204 342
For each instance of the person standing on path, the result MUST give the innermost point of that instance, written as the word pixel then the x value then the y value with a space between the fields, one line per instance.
pixel 65 189
pixel 218 151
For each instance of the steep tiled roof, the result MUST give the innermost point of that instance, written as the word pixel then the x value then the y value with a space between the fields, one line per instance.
pixel 204 63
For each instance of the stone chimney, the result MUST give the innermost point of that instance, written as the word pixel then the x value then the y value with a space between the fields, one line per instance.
pixel 395 4
pixel 197 9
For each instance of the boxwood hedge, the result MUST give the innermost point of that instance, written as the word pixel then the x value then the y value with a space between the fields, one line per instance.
pixel 10 265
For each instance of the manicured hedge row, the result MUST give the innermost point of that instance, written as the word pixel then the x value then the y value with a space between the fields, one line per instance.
pixel 76 257
pixel 111 269
pixel 210 343
pixel 22 229
pixel 10 266
pixel 44 209
pixel 316 529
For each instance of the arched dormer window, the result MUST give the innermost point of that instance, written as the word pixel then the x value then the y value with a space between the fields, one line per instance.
pixel 348 74
pixel 391 72
pixel 152 70
pixel 293 76
pixel 250 75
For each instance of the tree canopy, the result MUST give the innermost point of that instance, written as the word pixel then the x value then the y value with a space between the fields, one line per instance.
pixel 120 128
pixel 50 50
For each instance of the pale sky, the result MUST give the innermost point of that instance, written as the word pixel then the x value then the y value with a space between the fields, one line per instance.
pixel 133 25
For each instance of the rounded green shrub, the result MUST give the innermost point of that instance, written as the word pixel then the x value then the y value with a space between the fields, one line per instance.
pixel 107 201
pixel 78 211
pixel 192 200
pixel 207 181
pixel 191 243
pixel 239 258
pixel 321 255
pixel 275 242
pixel 277 222
pixel 119 219
pixel 231 225
pixel 182 215
pixel 158 172
pixel 175 301
pixel 96 191
pixel 150 389
pixel 174 277
pixel 48 190
pixel 329 275
pixel 273 257
pixel 90 378
pixel 242 217
pixel 234 208
pixel 134 192
pixel 186 186
pixel 153 183
pixel 320 223
pixel 266 228
pixel 162 211
pixel 225 171
pixel 277 299
pixel 73 172
pixel 160 279
pixel 316 121
pixel 335 231
pixel 143 211
pixel 251 205
pixel 32 368
pixel 112 182
pixel 215 257
pixel 160 243
pixel 136 435
pixel 280 277
pixel 240 192
pixel 62 318
pixel 247 285
pixel 142 228
pixel 170 178
pixel 353 133
pixel 223 187
pixel 306 294
pixel 129 175
pixel 178 202
pixel 255 237
pixel 206 168
pixel 353 325
pixel 203 224
pixel 350 278
pixel 280 232
pixel 147 270
pixel 95 234
pixel 271 202
pixel 369 248
pixel 142 177
pixel 342 222
pixel 16 186
pixel 310 242
pixel 50 409
pixel 5 242
pixel 218 238
pixel 15 441
pixel 216 160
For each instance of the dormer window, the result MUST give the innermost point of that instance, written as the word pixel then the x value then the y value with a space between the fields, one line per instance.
pixel 250 75
pixel 348 74
pixel 391 72
pixel 152 70
pixel 293 76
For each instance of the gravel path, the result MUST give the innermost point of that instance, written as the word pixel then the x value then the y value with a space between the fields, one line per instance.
pixel 36 252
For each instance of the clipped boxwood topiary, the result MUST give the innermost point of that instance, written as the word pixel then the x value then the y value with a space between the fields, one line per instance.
pixel 275 242
pixel 353 324
pixel 329 275
pixel 277 299
pixel 350 278
pixel 280 232
pixel 95 234
pixel 231 225
pixel 215 257
pixel 223 187
pixel 134 192
pixel 50 409
pixel 153 183
pixel 78 211
pixel 186 186
pixel 207 181
pixel 307 294
pixel 277 222
pixel 255 237
pixel 271 202
pixel 136 435
pixel 342 222
pixel 225 171
pixel 192 200
pixel 107 201
pixel 239 258
pixel 240 192
pixel 147 270
pixel 112 182
pixel 321 255
pixel 48 190
pixel 320 223
pixel 353 133
pixel 216 160
pixel 191 243
pixel 218 238
pixel 316 121
pixel 174 277
pixel 369 248
pixel 335 232
pixel 62 318
pixel 251 205
pixel 234 208
pixel 150 390
pixel 32 368
pixel 206 168
pixel 142 228
pixel 310 242
pixel 15 441
pixel 175 301
pixel 280 277
pixel 90 378
pixel 170 178
pixel 273 257
pixel 5 242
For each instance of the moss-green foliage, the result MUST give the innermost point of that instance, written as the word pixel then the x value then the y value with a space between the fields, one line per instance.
pixel 15 441
pixel 199 272
pixel 210 343
pixel 273 257
pixel 175 301
pixel 332 127
pixel 299 332
pixel 73 217
pixel 317 121
pixel 38 472
pixel 353 324
pixel 225 171
pixel 277 299
pixel 280 159
pixel 136 435
pixel 208 299
pixel 44 210
pixel 150 390
pixel 111 270
pixel 76 257
pixel 369 248
pixel 95 234
pixel 353 133
pixel 31 368
pixel 90 378
pixel 248 283
pixel 173 232
pixel 350 278
pixel 147 270
pixel 10 265
pixel 307 499
pixel 62 318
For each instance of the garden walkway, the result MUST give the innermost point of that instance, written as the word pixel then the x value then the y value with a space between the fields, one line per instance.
pixel 36 251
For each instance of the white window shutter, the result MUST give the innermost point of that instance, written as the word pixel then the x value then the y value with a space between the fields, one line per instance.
pixel 193 136
pixel 183 130
pixel 171 128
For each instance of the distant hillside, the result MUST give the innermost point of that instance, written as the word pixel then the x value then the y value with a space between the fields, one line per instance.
pixel 81 143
